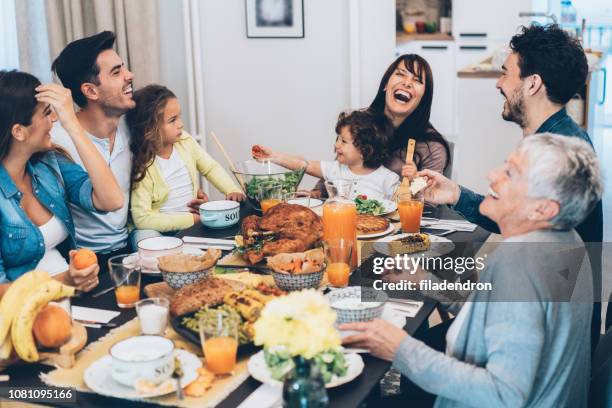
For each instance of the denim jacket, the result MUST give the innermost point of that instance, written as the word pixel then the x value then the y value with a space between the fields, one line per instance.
pixel 55 181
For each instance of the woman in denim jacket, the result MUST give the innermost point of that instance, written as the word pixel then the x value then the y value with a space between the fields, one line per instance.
pixel 37 181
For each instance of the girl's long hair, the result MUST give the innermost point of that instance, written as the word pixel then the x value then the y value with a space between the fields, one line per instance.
pixel 416 126
pixel 144 123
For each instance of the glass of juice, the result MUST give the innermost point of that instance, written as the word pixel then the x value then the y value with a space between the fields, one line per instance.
pixel 338 252
pixel 125 274
pixel 410 210
pixel 219 338
pixel 270 193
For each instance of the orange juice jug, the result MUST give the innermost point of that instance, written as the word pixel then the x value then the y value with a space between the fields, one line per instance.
pixel 340 214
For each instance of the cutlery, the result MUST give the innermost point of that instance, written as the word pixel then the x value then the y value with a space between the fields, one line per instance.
pixel 103 292
pixel 92 323
pixel 260 269
pixel 177 374
pixel 202 240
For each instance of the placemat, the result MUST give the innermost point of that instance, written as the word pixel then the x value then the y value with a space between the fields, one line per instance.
pixel 73 377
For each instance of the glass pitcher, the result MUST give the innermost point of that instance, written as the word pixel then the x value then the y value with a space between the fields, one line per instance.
pixel 340 214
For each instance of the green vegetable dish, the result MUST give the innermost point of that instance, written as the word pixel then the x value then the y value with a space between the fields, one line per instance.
pixel 289 182
pixel 232 314
pixel 329 364
pixel 365 206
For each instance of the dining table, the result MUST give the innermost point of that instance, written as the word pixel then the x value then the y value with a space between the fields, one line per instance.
pixel 349 395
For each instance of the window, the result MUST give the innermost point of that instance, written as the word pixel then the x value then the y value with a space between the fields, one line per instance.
pixel 9 57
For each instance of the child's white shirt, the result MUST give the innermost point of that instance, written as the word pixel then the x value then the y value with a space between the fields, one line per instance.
pixel 175 173
pixel 379 184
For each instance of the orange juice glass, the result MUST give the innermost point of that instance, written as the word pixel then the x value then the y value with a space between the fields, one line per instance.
pixel 125 274
pixel 340 215
pixel 268 203
pixel 338 255
pixel 219 338
pixel 410 210
pixel 269 194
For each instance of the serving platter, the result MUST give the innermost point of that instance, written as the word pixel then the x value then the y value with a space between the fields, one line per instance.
pixel 439 246
pixel 389 230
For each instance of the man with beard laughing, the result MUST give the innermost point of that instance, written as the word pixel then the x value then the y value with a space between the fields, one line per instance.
pixel 101 86
pixel 544 70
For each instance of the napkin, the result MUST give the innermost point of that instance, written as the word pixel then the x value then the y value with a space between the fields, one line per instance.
pixel 265 396
pixel 457 225
pixel 90 314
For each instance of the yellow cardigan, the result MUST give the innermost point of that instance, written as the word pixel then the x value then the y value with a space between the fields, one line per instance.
pixel 150 194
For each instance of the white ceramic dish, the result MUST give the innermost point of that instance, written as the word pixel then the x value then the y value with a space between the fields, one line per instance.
pixel 439 246
pixel 389 205
pixel 149 265
pixel 142 357
pixel 158 246
pixel 259 370
pixel 98 378
pixel 312 202
pixel 389 230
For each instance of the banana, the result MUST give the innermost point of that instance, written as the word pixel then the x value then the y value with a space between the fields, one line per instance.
pixel 15 295
pixel 6 348
pixel 21 328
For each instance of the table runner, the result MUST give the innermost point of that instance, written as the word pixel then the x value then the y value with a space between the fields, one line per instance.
pixel 73 377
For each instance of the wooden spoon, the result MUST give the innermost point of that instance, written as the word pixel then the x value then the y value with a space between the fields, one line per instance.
pixel 404 187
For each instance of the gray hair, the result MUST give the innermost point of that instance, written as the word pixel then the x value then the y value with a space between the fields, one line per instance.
pixel 564 169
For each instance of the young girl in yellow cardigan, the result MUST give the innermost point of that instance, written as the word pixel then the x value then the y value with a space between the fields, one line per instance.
pixel 165 167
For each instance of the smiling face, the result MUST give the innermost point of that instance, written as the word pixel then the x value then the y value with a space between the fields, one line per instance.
pixel 511 86
pixel 171 127
pixel 404 91
pixel 346 152
pixel 37 136
pixel 115 88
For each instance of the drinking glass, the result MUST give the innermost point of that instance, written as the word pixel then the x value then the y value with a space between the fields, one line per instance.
pixel 125 274
pixel 338 252
pixel 153 315
pixel 270 193
pixel 298 197
pixel 410 210
pixel 219 338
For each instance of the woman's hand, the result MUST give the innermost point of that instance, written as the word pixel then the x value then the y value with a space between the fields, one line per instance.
pixel 60 99
pixel 380 337
pixel 439 190
pixel 260 153
pixel 83 279
pixel 236 196
pixel 409 170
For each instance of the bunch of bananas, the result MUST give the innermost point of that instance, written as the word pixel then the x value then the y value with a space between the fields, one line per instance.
pixel 18 309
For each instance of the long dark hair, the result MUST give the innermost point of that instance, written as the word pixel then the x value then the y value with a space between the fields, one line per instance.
pixel 17 104
pixel 417 125
pixel 144 122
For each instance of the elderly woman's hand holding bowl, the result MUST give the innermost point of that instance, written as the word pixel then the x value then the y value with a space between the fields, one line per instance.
pixel 526 341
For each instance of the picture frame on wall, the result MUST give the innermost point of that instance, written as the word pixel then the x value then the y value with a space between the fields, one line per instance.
pixel 274 18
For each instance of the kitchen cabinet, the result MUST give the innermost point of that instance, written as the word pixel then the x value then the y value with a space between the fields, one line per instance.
pixel 440 56
pixel 473 21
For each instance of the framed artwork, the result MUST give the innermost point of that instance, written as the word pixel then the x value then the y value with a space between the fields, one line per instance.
pixel 275 18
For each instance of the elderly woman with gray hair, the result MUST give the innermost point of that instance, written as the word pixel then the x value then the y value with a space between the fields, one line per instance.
pixel 525 342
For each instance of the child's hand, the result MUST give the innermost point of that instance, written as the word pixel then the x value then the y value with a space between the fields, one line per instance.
pixel 236 196
pixel 194 205
pixel 409 170
pixel 260 152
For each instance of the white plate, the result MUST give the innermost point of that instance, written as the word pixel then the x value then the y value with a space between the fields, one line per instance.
pixel 312 202
pixel 389 230
pixel 259 370
pixel 439 246
pixel 150 270
pixel 98 378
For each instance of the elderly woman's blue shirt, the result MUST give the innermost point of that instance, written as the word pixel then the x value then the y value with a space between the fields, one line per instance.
pixel 56 180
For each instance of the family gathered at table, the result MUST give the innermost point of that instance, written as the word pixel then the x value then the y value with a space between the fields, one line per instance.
pixel 123 168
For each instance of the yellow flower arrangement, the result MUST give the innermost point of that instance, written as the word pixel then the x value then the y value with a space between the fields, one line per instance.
pixel 301 322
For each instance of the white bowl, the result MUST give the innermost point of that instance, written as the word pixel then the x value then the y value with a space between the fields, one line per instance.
pixel 150 248
pixel 147 358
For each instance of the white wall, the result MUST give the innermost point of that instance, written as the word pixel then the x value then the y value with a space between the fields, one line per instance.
pixel 286 93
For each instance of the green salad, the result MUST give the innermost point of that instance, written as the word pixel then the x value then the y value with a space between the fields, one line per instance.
pixel 210 314
pixel 328 363
pixel 288 181
pixel 365 206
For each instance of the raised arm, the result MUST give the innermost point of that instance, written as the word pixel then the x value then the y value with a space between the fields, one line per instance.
pixel 292 162
pixel 106 195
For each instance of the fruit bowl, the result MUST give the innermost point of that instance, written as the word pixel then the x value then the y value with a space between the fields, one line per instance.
pixel 252 173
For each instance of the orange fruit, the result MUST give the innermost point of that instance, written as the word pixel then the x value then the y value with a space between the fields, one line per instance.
pixel 84 257
pixel 52 327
